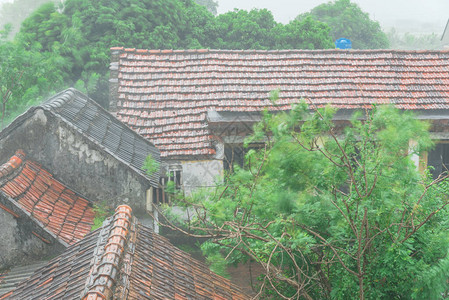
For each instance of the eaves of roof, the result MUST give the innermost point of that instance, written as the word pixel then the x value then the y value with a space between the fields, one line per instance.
pixel 16 210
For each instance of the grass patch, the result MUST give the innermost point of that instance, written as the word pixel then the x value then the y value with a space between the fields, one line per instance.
pixel 102 211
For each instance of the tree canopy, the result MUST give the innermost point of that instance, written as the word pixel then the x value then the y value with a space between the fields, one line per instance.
pixel 333 211
pixel 347 20
pixel 83 31
pixel 257 29
pixel 26 76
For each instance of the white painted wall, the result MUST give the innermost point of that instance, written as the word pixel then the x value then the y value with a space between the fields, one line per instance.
pixel 201 174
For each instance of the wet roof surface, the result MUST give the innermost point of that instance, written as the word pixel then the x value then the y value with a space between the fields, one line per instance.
pixel 165 94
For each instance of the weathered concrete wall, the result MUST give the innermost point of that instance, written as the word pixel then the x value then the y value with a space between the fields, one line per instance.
pixel 200 174
pixel 73 159
pixel 18 244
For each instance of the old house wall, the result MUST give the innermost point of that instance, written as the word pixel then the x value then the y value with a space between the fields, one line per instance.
pixel 17 245
pixel 76 161
pixel 19 238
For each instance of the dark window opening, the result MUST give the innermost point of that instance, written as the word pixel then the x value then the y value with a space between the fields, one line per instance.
pixel 438 159
pixel 235 155
pixel 175 176
pixel 160 195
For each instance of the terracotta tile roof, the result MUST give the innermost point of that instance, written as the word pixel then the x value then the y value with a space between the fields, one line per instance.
pixel 104 129
pixel 59 209
pixel 125 260
pixel 172 274
pixel 165 95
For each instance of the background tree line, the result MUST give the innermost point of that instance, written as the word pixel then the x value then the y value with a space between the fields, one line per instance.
pixel 71 39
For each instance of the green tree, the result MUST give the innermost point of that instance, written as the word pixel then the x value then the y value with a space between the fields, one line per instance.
pixel 25 76
pixel 241 29
pixel 83 31
pixel 347 20
pixel 257 29
pixel 42 31
pixel 303 34
pixel 333 212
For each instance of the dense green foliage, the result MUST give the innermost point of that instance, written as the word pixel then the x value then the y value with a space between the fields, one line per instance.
pixel 26 76
pixel 85 30
pixel 332 212
pixel 347 20
pixel 257 29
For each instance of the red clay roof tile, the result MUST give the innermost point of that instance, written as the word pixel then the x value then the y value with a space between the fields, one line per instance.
pixel 164 95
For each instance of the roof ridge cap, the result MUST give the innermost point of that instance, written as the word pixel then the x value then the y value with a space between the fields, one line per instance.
pixel 105 266
pixel 59 99
pixel 12 164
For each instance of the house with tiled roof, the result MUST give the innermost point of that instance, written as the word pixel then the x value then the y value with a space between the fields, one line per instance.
pixel 197 106
pixel 124 260
pixel 87 148
pixel 39 215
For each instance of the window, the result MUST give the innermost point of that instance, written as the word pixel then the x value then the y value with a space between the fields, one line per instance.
pixel 235 154
pixel 438 159
pixel 175 176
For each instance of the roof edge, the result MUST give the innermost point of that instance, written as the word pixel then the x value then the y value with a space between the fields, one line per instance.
pixel 249 51
pixel 19 160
